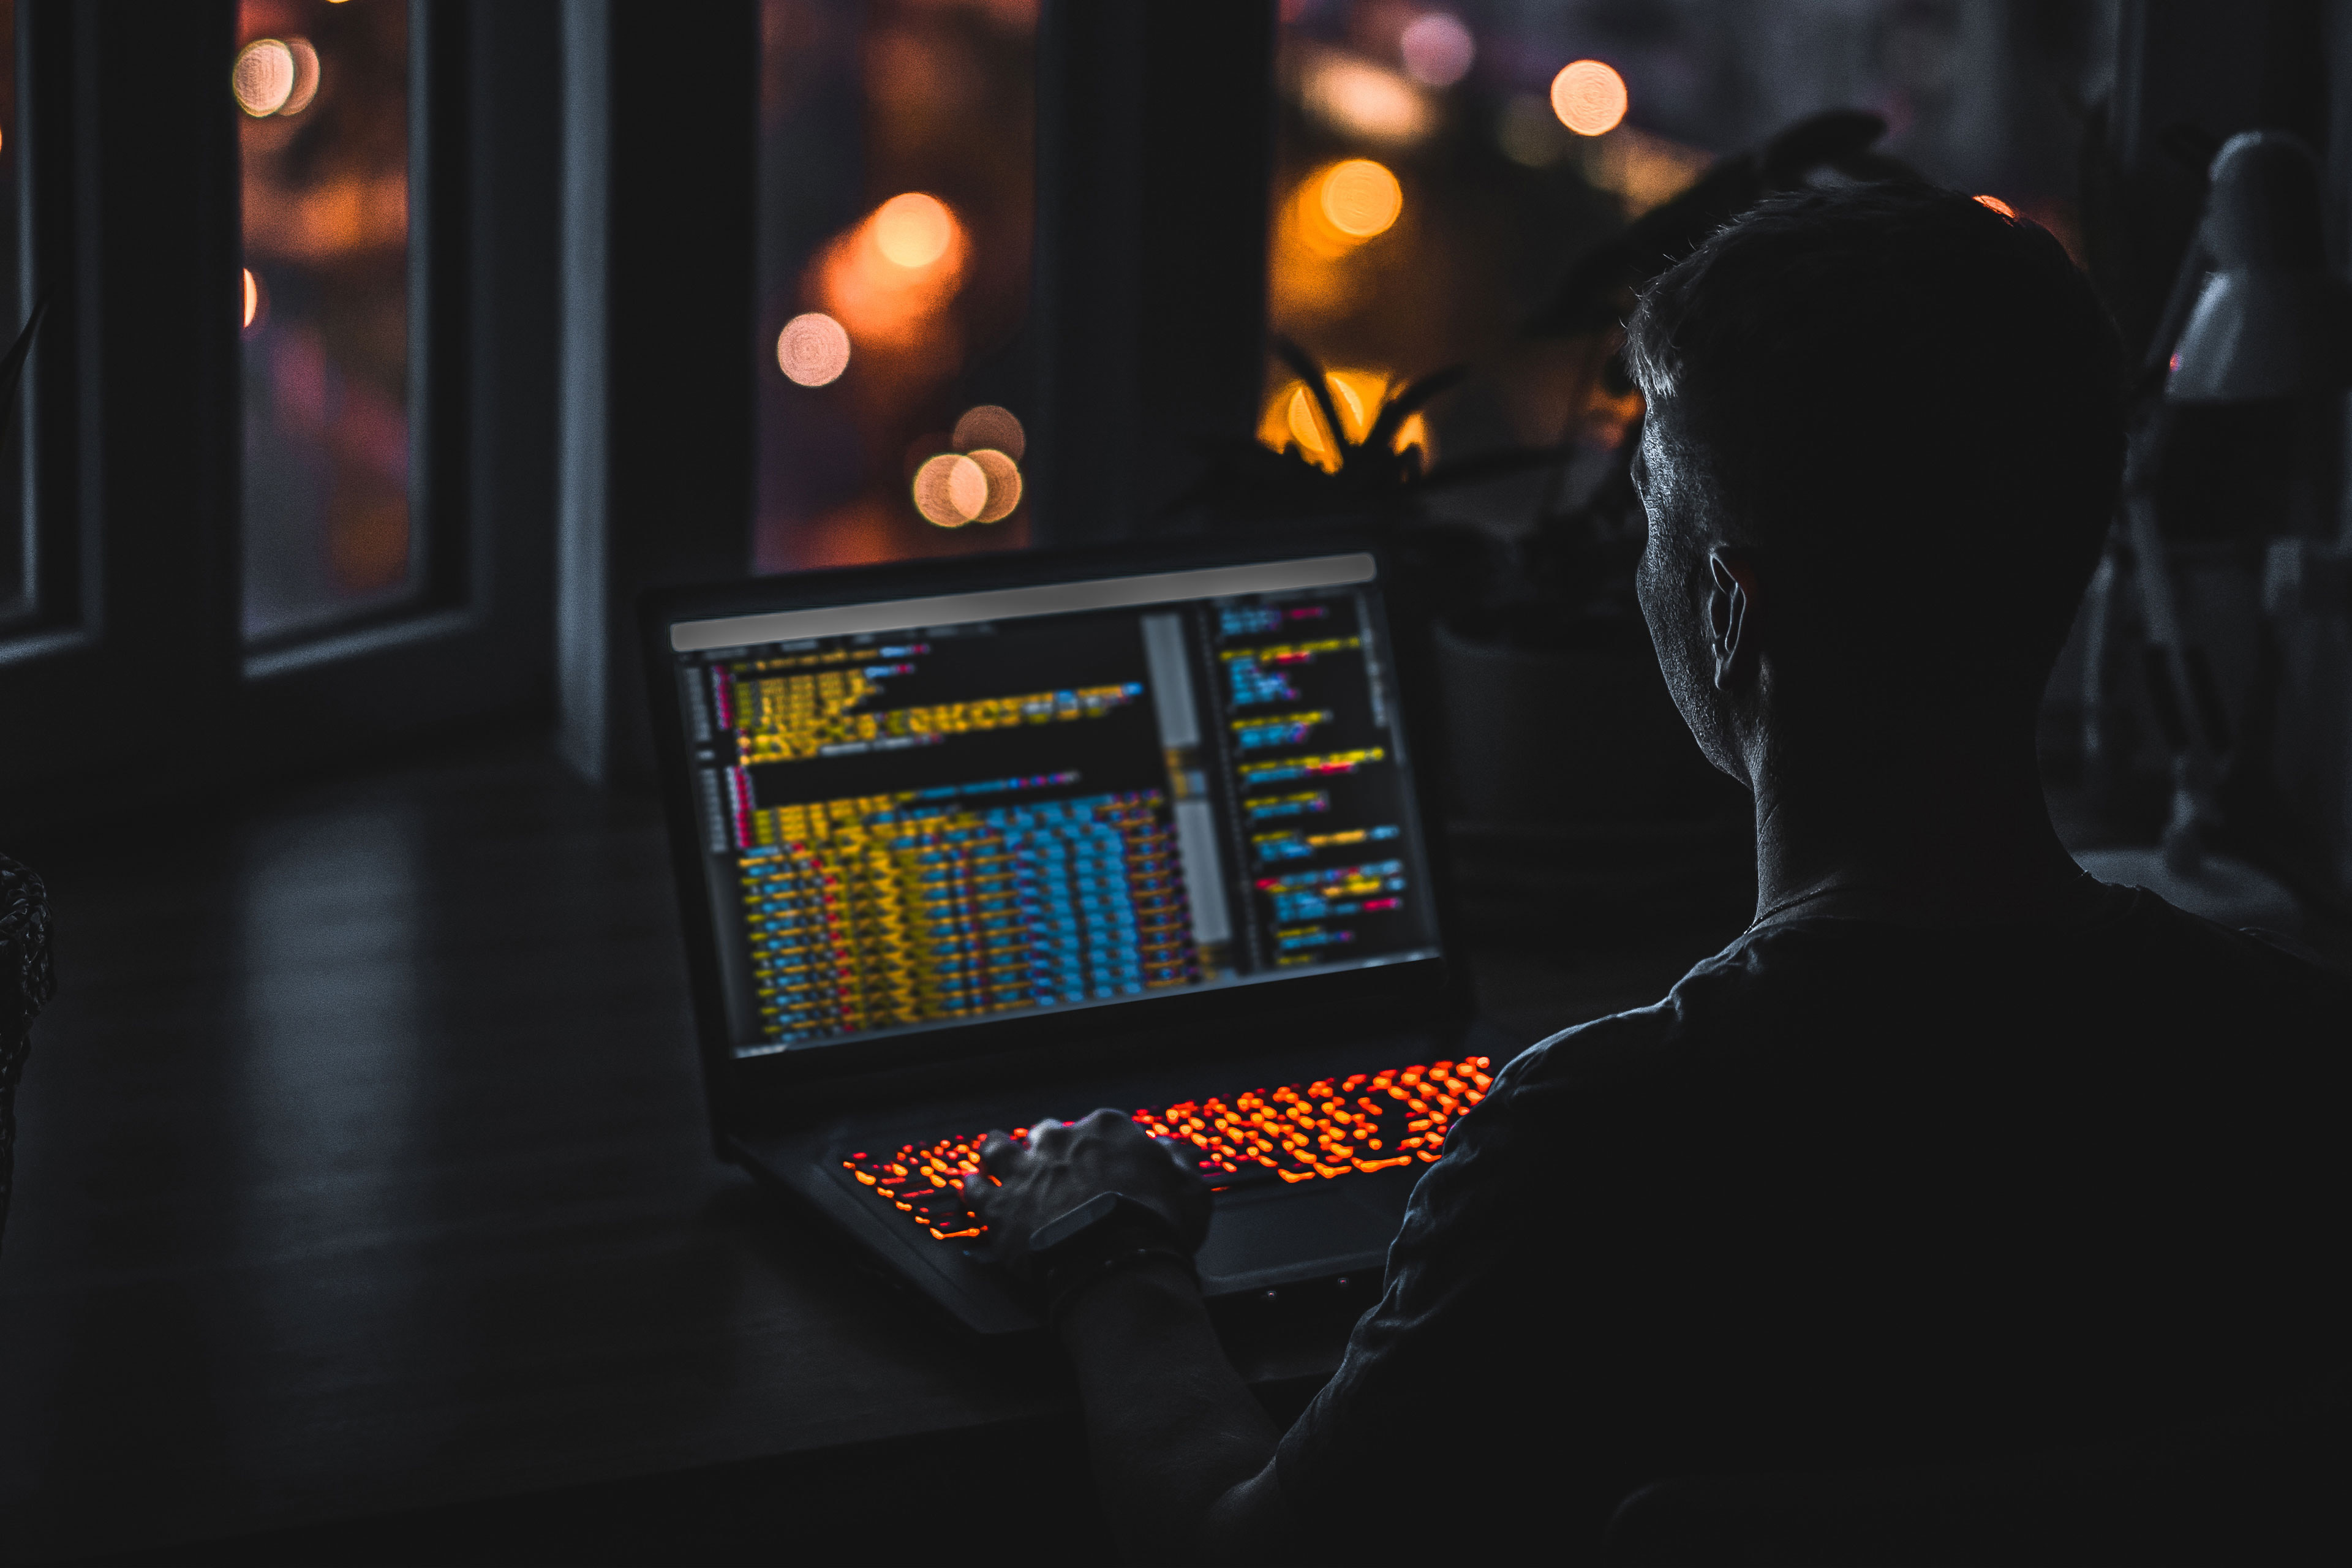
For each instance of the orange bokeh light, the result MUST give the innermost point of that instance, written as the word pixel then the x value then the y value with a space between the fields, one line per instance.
pixel 886 304
pixel 1340 207
pixel 951 490
pixel 812 350
pixel 1360 198
pixel 252 297
pixel 2002 207
pixel 306 77
pixel 913 230
pixel 1588 96
pixel 1004 477
pixel 990 425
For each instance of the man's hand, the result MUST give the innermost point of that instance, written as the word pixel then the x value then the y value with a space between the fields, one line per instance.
pixel 1067 1162
pixel 1182 1452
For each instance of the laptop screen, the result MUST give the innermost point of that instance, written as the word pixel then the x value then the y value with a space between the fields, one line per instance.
pixel 921 813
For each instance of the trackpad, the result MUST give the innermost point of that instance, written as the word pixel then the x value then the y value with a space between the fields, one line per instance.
pixel 1262 1238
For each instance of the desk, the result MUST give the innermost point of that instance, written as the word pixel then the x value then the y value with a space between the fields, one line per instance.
pixel 364 1176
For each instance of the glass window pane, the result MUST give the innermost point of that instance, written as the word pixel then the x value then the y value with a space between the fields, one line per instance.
pixel 895 184
pixel 328 528
pixel 15 540
pixel 1439 166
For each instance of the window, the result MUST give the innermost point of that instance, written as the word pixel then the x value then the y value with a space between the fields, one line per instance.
pixel 289 416
pixel 16 595
pixel 328 524
pixel 895 201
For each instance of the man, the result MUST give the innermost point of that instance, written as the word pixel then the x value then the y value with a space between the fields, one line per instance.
pixel 1955 1152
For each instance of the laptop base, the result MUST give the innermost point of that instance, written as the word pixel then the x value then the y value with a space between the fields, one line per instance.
pixel 1261 1237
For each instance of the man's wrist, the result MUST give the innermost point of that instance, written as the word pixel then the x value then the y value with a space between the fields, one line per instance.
pixel 1150 1289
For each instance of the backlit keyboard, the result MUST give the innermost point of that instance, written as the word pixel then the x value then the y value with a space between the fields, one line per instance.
pixel 1300 1133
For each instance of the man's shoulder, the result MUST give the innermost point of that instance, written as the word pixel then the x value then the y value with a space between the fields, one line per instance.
pixel 1627 1048
pixel 1812 992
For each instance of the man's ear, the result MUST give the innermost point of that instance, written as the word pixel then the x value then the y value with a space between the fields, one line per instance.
pixel 1735 621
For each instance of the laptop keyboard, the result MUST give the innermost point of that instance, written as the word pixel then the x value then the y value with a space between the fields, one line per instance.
pixel 1322 1130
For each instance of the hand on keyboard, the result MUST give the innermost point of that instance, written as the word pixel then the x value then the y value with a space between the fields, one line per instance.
pixel 1300 1133
pixel 1062 1164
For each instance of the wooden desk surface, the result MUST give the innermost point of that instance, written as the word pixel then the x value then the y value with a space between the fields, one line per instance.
pixel 363 1170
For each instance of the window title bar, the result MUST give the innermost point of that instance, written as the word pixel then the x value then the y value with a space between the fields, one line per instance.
pixel 1009 604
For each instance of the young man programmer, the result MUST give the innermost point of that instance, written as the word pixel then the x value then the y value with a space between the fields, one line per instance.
pixel 1956 1151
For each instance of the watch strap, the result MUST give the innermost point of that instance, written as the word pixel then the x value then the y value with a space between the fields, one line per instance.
pixel 1108 1232
pixel 1067 1282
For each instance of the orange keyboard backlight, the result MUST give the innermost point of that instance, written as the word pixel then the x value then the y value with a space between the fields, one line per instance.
pixel 1300 1133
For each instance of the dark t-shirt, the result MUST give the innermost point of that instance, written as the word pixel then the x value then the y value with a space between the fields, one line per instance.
pixel 1854 1193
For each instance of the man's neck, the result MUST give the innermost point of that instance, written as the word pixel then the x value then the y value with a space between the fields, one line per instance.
pixel 1929 834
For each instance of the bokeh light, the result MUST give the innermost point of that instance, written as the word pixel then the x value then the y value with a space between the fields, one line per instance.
pixel 252 299
pixel 1004 477
pixel 263 77
pixel 990 425
pixel 1366 101
pixel 1588 96
pixel 889 308
pixel 306 77
pixel 913 230
pixel 1437 48
pixel 1644 170
pixel 951 490
pixel 2002 207
pixel 1361 198
pixel 812 350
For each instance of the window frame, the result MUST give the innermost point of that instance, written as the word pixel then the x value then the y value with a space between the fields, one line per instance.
pixel 133 401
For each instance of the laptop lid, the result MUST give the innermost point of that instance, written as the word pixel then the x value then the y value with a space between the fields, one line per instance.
pixel 944 813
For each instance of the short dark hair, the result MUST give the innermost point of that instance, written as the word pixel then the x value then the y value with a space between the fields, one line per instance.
pixel 1879 377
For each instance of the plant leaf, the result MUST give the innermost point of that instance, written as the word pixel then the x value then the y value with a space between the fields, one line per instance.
pixel 1318 387
pixel 1408 401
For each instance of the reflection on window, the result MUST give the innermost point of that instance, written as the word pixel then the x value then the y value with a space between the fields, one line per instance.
pixel 894 200
pixel 1439 165
pixel 323 91
pixel 15 541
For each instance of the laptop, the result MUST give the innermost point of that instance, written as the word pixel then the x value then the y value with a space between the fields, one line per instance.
pixel 963 845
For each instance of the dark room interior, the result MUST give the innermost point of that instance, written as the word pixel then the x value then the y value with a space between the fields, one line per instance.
pixel 639 550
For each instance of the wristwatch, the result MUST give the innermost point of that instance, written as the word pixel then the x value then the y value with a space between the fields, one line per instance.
pixel 1108 1233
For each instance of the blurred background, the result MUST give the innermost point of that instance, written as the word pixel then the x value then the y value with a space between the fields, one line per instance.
pixel 1462 193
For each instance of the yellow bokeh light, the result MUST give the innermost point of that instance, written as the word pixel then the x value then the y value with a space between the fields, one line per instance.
pixel 263 77
pixel 951 490
pixel 812 350
pixel 913 230
pixel 990 425
pixel 1361 198
pixel 252 297
pixel 1004 477
pixel 306 77
pixel 1588 96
